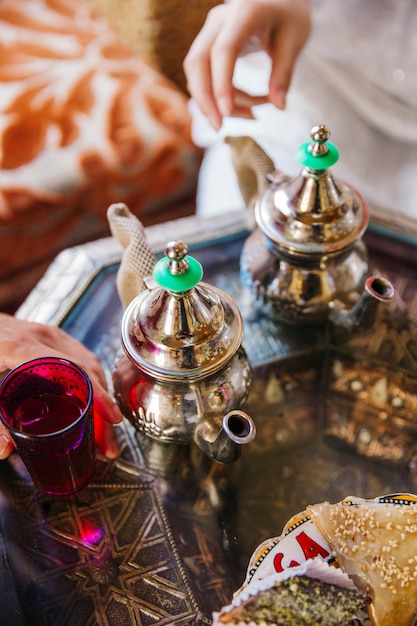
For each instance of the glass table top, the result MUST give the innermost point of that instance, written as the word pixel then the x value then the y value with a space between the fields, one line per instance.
pixel 162 535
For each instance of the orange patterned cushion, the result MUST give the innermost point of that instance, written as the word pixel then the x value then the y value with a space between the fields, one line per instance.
pixel 84 123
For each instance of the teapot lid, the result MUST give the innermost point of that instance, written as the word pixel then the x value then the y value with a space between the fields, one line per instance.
pixel 313 213
pixel 181 327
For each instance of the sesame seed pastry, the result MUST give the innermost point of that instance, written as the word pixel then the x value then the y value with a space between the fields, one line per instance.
pixel 375 542
pixel 356 559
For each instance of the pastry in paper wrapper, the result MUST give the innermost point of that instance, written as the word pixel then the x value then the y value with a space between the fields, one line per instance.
pixel 372 543
pixel 310 594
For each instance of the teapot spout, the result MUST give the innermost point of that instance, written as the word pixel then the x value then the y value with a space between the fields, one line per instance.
pixel 362 316
pixel 221 439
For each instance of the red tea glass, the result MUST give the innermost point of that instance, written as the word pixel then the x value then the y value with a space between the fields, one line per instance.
pixel 47 406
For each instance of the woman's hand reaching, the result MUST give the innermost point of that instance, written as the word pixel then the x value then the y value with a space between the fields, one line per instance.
pixel 282 27
pixel 21 341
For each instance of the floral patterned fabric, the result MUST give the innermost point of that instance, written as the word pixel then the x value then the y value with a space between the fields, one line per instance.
pixel 84 123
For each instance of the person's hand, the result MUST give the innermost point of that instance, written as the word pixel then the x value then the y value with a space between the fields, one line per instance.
pixel 282 27
pixel 21 341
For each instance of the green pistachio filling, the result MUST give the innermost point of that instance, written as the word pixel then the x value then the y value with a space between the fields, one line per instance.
pixel 303 601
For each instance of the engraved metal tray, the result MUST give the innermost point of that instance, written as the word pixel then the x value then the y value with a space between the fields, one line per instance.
pixel 162 535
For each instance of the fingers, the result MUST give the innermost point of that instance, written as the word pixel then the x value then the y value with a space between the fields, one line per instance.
pixel 282 27
pixel 197 67
pixel 21 341
pixel 284 51
pixel 105 436
pixel 244 102
pixel 105 405
pixel 210 62
pixel 244 19
pixel 106 411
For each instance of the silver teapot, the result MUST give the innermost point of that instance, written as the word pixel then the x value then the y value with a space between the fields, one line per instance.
pixel 183 374
pixel 305 261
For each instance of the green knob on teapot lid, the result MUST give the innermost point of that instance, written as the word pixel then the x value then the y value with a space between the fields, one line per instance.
pixel 318 154
pixel 177 272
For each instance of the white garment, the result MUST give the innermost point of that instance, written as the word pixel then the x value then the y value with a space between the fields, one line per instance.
pixel 358 75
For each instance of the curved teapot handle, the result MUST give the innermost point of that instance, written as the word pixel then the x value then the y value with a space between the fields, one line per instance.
pixel 252 165
pixel 138 259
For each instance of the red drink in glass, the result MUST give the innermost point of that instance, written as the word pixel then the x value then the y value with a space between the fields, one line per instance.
pixel 47 406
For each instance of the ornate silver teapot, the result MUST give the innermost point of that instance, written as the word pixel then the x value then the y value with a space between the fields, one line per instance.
pixel 305 262
pixel 183 374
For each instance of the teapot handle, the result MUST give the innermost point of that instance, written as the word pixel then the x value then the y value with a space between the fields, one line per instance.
pixel 138 259
pixel 252 165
